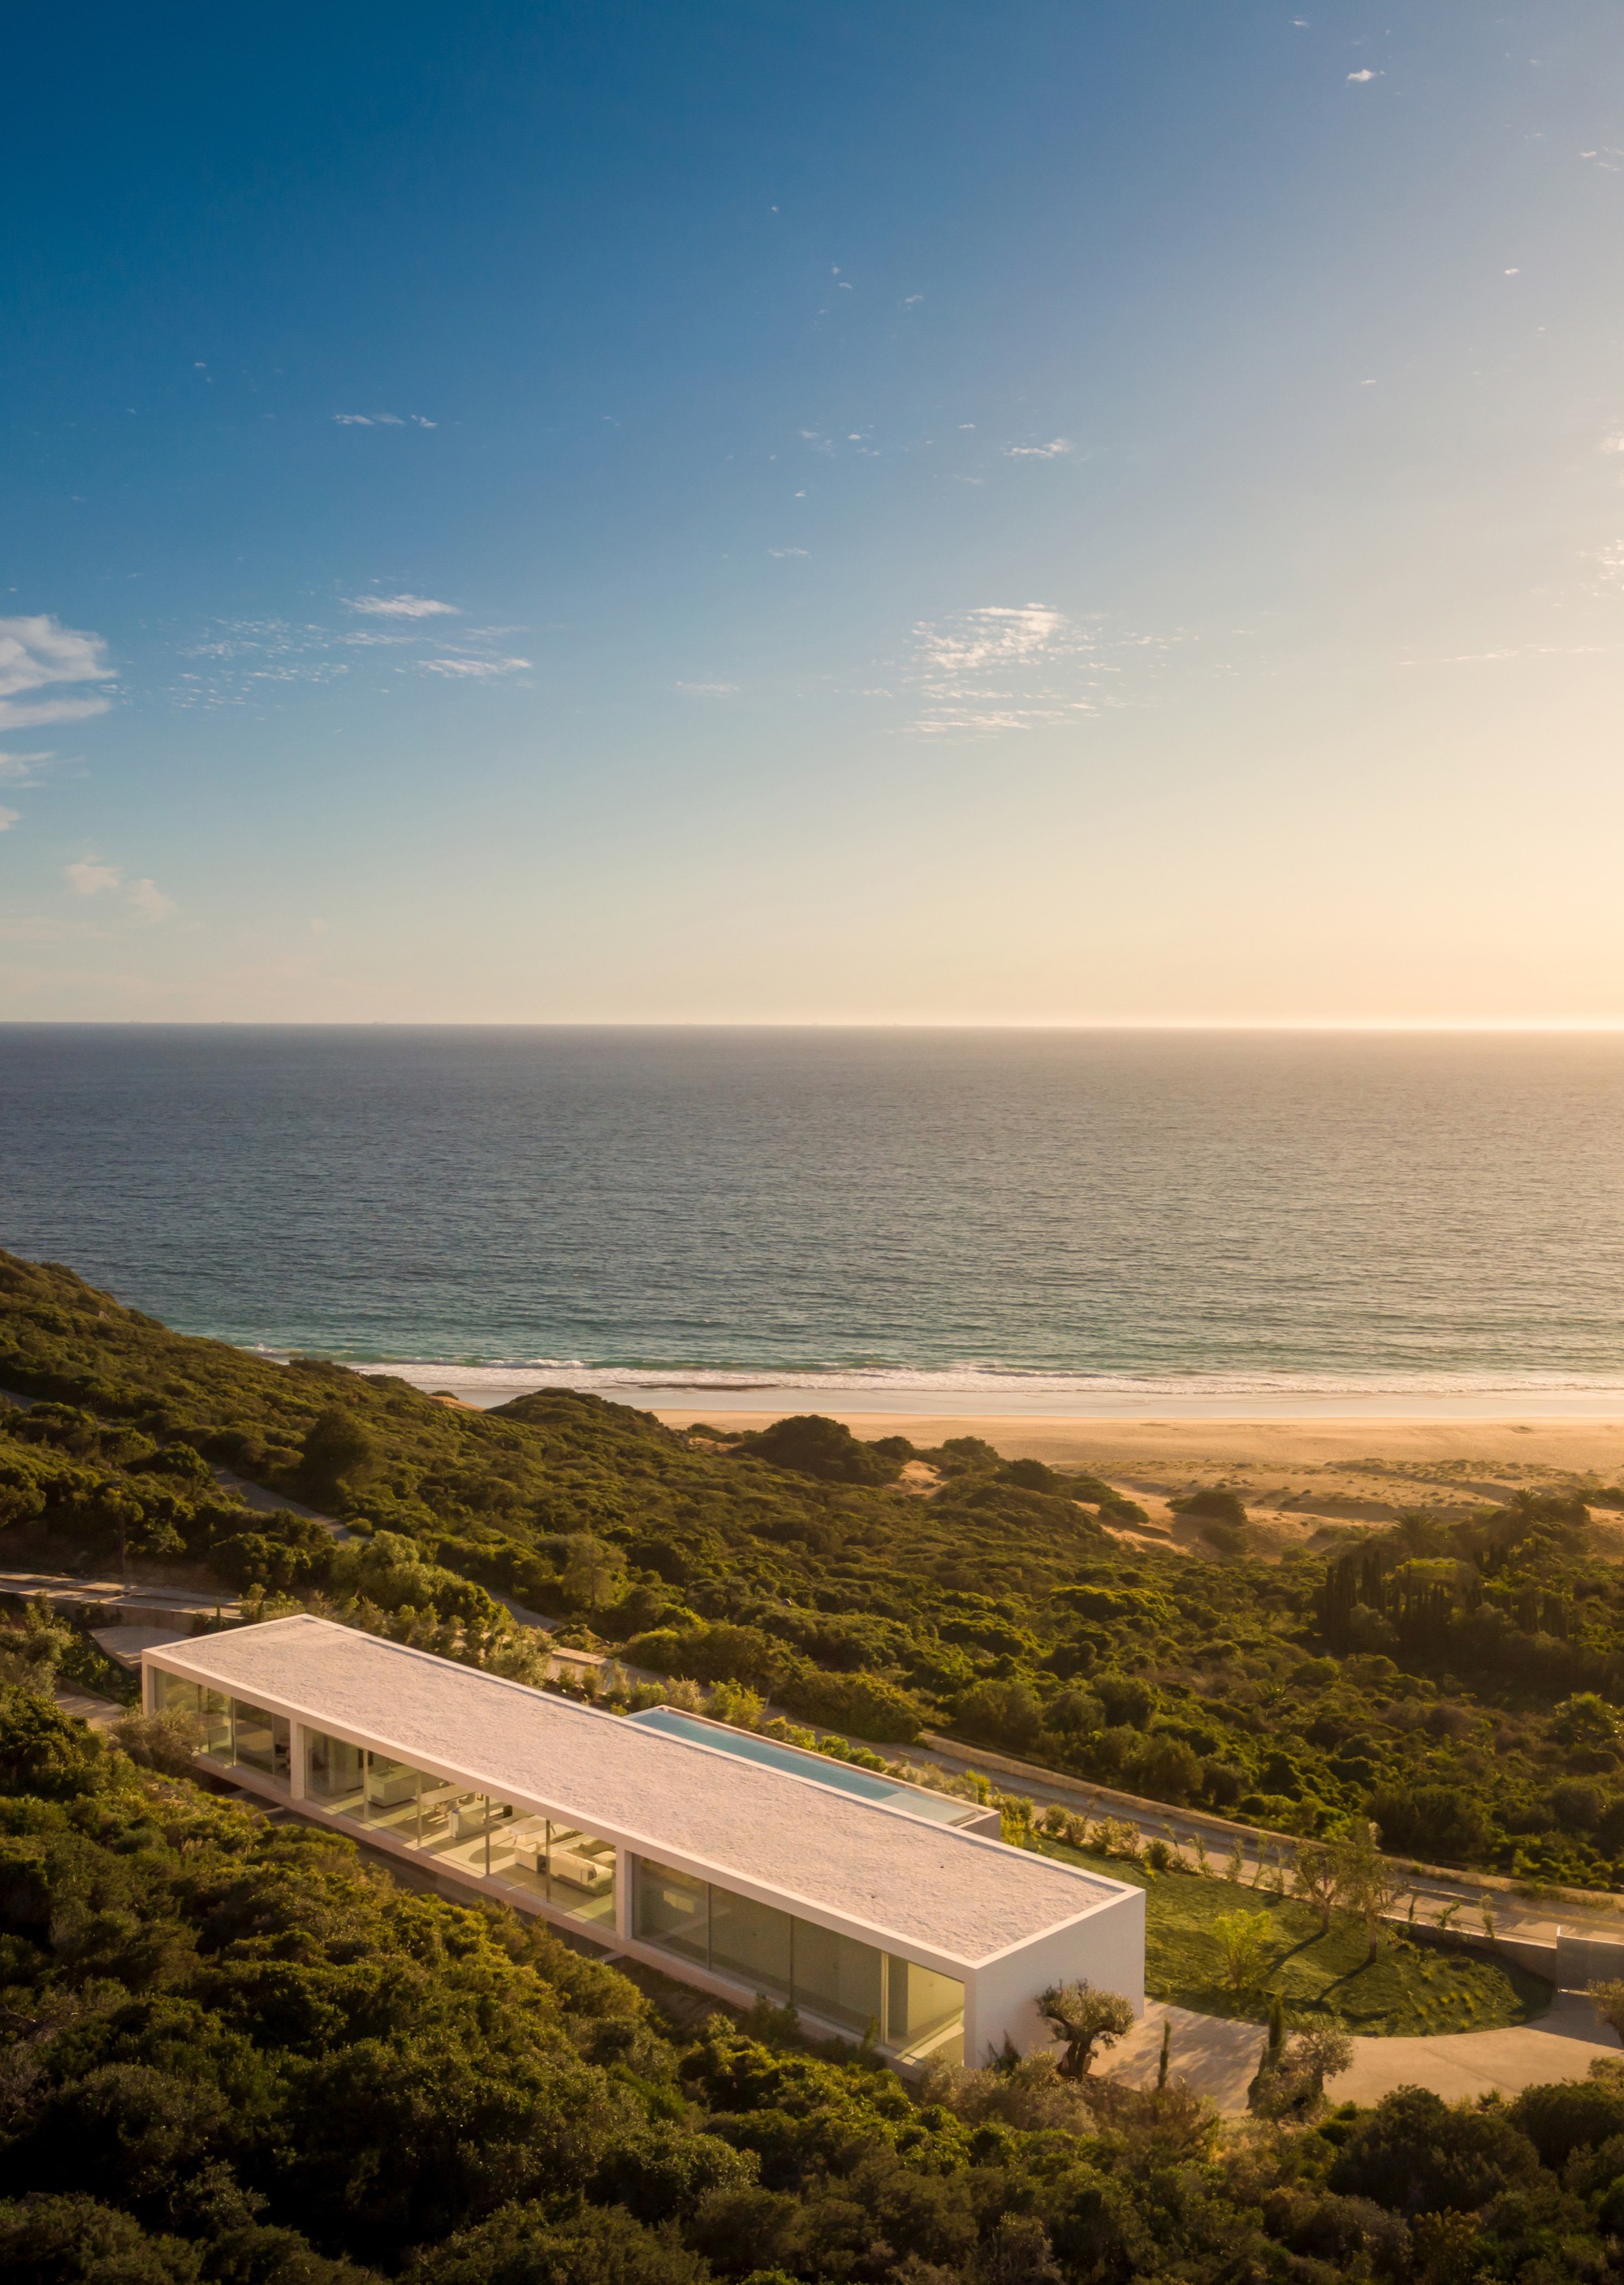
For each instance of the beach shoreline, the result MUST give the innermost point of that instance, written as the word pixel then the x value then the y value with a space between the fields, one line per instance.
pixel 1525 1448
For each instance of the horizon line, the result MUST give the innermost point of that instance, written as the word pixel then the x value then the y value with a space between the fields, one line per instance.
pixel 1487 1026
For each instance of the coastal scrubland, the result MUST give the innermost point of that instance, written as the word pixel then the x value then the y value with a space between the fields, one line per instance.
pixel 231 2053
pixel 1452 1671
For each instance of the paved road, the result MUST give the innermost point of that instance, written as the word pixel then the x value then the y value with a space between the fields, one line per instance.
pixel 1533 1919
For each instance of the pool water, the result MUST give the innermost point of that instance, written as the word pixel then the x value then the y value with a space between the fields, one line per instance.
pixel 942 1809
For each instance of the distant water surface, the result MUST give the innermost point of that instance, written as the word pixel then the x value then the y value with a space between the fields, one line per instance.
pixel 926 1220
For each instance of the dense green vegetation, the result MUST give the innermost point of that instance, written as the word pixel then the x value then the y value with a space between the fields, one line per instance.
pixel 230 2055
pixel 1458 1683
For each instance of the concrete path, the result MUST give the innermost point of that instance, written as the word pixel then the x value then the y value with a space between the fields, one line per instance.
pixel 126 1644
pixel 128 1596
pixel 100 1713
pixel 266 1503
pixel 1219 2058
pixel 1560 2044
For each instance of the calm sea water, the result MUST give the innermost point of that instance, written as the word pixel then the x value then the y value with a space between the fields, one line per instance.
pixel 928 1220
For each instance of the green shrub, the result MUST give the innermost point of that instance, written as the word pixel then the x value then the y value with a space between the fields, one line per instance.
pixel 1214 1501
pixel 1417 2154
pixel 1568 2115
pixel 1431 1821
pixel 1007 1713
pixel 720 1652
pixel 812 1445
pixel 863 1704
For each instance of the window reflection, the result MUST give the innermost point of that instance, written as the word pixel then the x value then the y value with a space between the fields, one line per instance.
pixel 570 1870
pixel 229 1730
pixel 912 2010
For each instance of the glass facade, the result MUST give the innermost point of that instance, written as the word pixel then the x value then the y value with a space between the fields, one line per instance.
pixel 229 1730
pixel 912 2010
pixel 572 1870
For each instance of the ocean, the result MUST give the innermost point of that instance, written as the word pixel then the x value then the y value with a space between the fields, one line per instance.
pixel 929 1220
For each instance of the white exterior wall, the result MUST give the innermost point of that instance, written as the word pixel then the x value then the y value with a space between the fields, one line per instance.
pixel 1105 1947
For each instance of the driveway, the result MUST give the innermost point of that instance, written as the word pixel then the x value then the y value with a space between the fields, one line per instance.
pixel 1218 2058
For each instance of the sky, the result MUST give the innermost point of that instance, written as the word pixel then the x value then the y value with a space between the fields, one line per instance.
pixel 759 512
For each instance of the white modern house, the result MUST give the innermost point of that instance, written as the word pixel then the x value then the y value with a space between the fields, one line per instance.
pixel 726 1870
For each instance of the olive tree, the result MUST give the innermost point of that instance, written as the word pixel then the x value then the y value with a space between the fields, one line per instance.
pixel 1084 2017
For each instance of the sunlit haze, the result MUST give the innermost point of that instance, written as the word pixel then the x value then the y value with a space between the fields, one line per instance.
pixel 1035 514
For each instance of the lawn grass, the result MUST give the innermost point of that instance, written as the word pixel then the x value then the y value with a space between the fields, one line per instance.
pixel 1406 1992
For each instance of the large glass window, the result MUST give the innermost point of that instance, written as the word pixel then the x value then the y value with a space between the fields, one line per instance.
pixel 838 1978
pixel 572 1870
pixel 673 1911
pixel 752 1941
pixel 259 1740
pixel 209 1709
pixel 911 2009
pixel 920 2004
pixel 333 1773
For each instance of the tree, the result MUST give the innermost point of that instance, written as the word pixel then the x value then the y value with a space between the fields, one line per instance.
pixel 1417 2154
pixel 338 1453
pixel 1213 1500
pixel 594 1574
pixel 1317 1879
pixel 1585 1719
pixel 1007 1712
pixel 166 1741
pixel 1244 1939
pixel 1569 2114
pixel 1084 2017
pixel 1290 2079
pixel 75 2240
pixel 1608 2000
pixel 1367 1882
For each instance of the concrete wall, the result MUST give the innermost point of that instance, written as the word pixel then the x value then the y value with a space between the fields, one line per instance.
pixel 1582 1960
pixel 1106 1948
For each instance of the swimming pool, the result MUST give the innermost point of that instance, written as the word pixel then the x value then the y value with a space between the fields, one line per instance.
pixel 867 1785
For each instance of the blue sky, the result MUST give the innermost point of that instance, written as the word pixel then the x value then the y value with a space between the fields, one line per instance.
pixel 775 513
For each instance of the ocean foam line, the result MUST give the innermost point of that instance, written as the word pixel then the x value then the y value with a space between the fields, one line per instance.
pixel 999 1381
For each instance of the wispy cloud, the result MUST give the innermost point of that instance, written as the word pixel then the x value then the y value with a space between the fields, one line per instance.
pixel 707 690
pixel 8 817
pixel 241 661
pixel 384 421
pixel 1055 448
pixel 1358 78
pixel 38 653
pixel 88 876
pixel 149 902
pixel 789 551
pixel 19 769
pixel 1016 666
pixel 402 607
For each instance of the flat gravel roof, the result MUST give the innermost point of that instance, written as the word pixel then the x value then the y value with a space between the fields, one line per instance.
pixel 952 1893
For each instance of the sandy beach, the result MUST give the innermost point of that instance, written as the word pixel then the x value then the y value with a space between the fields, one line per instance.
pixel 1567 1447
pixel 1300 1479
